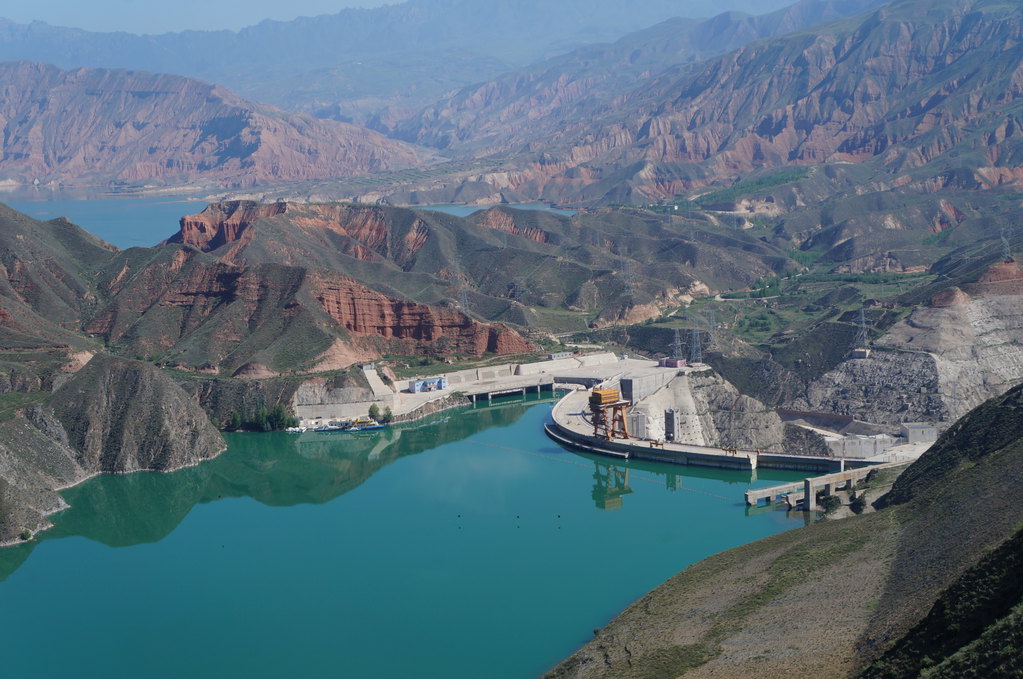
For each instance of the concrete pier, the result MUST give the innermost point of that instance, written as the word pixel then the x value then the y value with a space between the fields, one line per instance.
pixel 805 492
pixel 486 392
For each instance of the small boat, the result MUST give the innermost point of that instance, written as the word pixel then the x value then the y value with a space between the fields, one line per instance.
pixel 371 426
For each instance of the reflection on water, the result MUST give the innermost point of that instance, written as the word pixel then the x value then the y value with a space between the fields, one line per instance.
pixel 276 469
pixel 610 485
pixel 314 555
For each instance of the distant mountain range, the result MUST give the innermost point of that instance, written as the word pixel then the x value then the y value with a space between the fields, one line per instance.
pixel 906 84
pixel 494 115
pixel 356 61
pixel 127 128
pixel 910 93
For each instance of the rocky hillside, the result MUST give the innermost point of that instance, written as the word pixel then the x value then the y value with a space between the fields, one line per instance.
pixel 926 581
pixel 616 266
pixel 905 84
pixel 497 115
pixel 944 359
pixel 184 309
pixel 127 128
pixel 113 415
pixel 357 61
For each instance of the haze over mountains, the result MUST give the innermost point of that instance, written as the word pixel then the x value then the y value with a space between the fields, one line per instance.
pixel 904 84
pixel 359 58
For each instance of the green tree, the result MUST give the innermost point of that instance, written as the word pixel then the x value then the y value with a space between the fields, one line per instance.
pixel 374 412
pixel 280 418
pixel 388 415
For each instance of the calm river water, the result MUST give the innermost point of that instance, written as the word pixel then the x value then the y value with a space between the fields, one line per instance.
pixel 464 546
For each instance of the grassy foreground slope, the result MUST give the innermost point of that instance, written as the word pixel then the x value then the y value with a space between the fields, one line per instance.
pixel 875 593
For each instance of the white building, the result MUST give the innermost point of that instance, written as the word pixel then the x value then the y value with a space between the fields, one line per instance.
pixel 919 432
pixel 859 446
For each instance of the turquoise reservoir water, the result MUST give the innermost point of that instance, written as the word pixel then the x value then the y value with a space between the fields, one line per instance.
pixel 465 546
pixel 124 222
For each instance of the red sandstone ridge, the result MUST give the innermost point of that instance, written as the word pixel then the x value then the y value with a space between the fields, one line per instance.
pixel 94 126
pixel 222 223
pixel 364 232
pixel 1003 278
pixel 370 314
pixel 499 220
pixel 269 318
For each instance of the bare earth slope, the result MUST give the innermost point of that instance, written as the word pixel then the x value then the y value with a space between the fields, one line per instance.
pixel 98 126
pixel 903 84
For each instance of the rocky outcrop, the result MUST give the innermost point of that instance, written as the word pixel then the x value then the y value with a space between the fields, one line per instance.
pixel 889 387
pixel 364 232
pixel 938 363
pixel 371 315
pixel 265 320
pixel 112 416
pixel 499 220
pixel 222 223
pixel 221 399
pixel 133 128
pixel 339 389
pixel 123 416
pixel 714 413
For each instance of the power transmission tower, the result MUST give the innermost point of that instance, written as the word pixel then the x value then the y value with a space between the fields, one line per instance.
pixel 1006 247
pixel 862 336
pixel 676 345
pixel 695 350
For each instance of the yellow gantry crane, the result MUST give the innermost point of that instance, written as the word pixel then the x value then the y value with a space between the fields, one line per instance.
pixel 608 412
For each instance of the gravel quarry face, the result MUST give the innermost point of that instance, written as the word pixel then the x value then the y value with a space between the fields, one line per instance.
pixel 936 365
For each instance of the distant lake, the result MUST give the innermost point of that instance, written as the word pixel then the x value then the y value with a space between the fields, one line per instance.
pixel 124 222
pixel 466 546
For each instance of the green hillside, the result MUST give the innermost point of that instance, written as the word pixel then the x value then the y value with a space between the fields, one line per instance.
pixel 929 580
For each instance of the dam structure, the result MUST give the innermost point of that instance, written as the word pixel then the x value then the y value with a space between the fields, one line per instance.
pixel 674 415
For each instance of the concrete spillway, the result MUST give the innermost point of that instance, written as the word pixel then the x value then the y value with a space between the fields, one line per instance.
pixel 571 427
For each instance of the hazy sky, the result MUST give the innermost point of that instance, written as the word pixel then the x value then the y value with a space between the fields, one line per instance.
pixel 149 16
